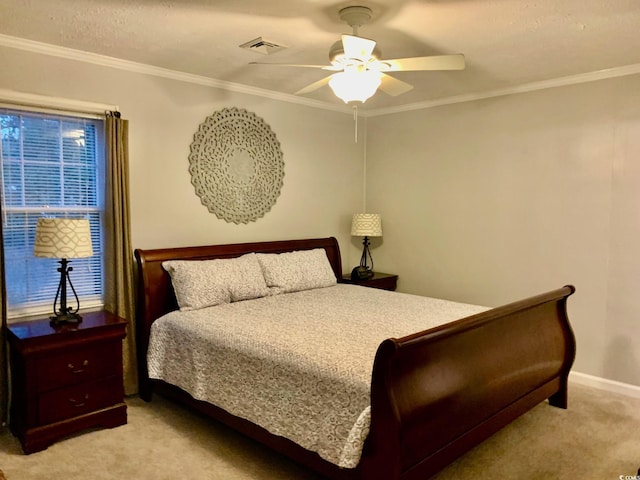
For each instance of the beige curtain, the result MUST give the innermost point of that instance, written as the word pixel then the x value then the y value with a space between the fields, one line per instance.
pixel 119 277
pixel 4 348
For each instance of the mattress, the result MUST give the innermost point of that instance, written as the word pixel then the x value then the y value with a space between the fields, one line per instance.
pixel 297 364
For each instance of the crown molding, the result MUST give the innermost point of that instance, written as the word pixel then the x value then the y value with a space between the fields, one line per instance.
pixel 136 67
pixel 127 65
pixel 524 88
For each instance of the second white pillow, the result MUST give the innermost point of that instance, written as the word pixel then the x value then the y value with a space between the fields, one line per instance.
pixel 298 270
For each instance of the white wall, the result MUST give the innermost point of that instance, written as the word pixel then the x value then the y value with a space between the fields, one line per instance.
pixel 323 165
pixel 494 200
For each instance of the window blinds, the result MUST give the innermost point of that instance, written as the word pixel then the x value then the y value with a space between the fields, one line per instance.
pixel 52 165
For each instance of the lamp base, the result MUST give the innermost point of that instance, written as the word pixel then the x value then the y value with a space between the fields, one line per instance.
pixel 62 319
pixel 361 273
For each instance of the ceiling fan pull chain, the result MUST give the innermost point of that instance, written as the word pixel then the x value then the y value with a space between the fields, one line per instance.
pixel 355 119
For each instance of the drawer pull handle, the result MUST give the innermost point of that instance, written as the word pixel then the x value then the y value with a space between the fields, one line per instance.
pixel 73 369
pixel 75 403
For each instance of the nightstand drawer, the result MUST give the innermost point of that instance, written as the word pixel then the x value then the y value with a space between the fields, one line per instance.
pixel 76 400
pixel 78 365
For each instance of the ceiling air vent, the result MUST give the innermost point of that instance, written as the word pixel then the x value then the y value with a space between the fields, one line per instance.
pixel 260 45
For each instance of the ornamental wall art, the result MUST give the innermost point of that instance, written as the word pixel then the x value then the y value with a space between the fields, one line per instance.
pixel 236 165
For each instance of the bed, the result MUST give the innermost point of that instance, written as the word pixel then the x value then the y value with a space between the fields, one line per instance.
pixel 433 394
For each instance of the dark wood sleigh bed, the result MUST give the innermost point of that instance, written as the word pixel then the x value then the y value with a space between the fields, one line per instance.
pixel 434 394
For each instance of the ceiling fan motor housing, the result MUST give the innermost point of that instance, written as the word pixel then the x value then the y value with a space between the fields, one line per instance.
pixel 354 16
pixel 336 53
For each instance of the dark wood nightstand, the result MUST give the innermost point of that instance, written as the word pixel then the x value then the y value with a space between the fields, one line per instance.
pixel 65 379
pixel 385 281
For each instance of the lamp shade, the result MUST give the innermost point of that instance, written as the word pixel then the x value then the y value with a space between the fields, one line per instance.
pixel 63 238
pixel 353 85
pixel 366 225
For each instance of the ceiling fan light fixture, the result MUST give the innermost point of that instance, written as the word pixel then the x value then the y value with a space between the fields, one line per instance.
pixel 355 85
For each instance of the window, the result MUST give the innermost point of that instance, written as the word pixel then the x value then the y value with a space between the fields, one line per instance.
pixel 51 165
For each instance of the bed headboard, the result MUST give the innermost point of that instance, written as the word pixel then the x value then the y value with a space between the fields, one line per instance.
pixel 155 297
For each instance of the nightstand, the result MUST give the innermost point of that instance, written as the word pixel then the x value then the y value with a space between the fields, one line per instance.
pixel 385 281
pixel 65 379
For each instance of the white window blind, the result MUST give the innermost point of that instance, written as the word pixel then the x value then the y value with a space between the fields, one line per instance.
pixel 53 166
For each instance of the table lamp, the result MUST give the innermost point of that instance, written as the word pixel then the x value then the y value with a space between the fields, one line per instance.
pixel 63 238
pixel 365 225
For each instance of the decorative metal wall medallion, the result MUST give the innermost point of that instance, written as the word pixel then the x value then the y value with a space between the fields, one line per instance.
pixel 236 165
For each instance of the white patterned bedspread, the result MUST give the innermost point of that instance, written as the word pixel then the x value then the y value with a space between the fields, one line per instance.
pixel 297 364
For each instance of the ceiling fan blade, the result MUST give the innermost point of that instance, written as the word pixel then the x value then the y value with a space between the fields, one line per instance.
pixel 333 68
pixel 357 47
pixel 393 86
pixel 435 62
pixel 315 85
pixel 325 67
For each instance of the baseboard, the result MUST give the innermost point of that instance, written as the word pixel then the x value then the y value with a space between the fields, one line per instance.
pixel 605 384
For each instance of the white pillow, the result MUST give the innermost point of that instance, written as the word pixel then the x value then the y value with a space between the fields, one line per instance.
pixel 298 270
pixel 204 283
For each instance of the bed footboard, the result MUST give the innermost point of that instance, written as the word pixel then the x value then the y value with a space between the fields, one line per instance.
pixel 438 393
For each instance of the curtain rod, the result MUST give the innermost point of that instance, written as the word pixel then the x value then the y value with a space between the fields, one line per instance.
pixel 59 103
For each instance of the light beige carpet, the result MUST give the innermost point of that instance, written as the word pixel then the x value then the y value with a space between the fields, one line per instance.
pixel 598 437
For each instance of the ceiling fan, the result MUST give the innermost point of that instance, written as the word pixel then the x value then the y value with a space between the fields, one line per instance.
pixel 359 69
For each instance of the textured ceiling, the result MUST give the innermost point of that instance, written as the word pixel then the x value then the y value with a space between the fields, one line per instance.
pixel 507 43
